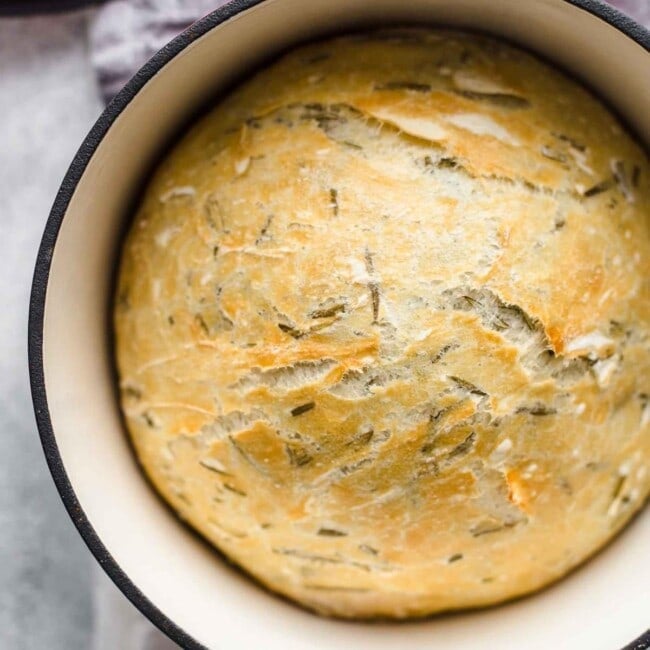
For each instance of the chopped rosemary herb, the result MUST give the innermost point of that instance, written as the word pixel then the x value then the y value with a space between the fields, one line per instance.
pixel 214 214
pixel 599 188
pixel 327 312
pixel 434 417
pixel 303 555
pixel 132 392
pixel 537 410
pixel 264 230
pixel 234 490
pixel 428 447
pixel 303 408
pixel 298 456
pixel 149 420
pixel 454 558
pixel 323 115
pixel 447 163
pixel 464 447
pixel 346 470
pixel 334 202
pixel 504 100
pixel 404 85
pixel 373 287
pixel 241 451
pixel 316 327
pixel 565 138
pixel 616 328
pixel 254 122
pixel 472 302
pixel 466 385
pixel 374 294
pixel 362 438
pixel 331 532
pixel 202 324
pixel 442 351
pixel 622 180
pixel 518 311
pixel 500 324
pixel 292 331
pixel 618 487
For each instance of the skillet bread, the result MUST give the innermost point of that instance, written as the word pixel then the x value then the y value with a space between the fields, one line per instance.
pixel 382 325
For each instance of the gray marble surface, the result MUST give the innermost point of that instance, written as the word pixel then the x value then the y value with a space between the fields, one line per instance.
pixel 48 100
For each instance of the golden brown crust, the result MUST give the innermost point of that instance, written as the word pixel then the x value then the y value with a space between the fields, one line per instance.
pixel 382 325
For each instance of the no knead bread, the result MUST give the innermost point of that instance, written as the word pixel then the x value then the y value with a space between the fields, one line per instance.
pixel 383 325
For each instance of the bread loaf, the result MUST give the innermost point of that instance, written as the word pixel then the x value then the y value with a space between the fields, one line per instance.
pixel 382 324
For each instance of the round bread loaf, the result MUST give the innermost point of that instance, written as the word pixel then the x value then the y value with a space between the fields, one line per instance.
pixel 383 325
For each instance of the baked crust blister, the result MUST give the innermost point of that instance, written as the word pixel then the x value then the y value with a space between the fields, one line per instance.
pixel 382 325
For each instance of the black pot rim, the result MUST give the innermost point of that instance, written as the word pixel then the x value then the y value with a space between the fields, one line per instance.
pixel 605 12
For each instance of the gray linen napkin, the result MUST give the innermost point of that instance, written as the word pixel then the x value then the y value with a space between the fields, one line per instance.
pixel 123 35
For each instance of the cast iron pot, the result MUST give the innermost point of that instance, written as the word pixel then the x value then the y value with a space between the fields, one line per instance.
pixel 168 572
